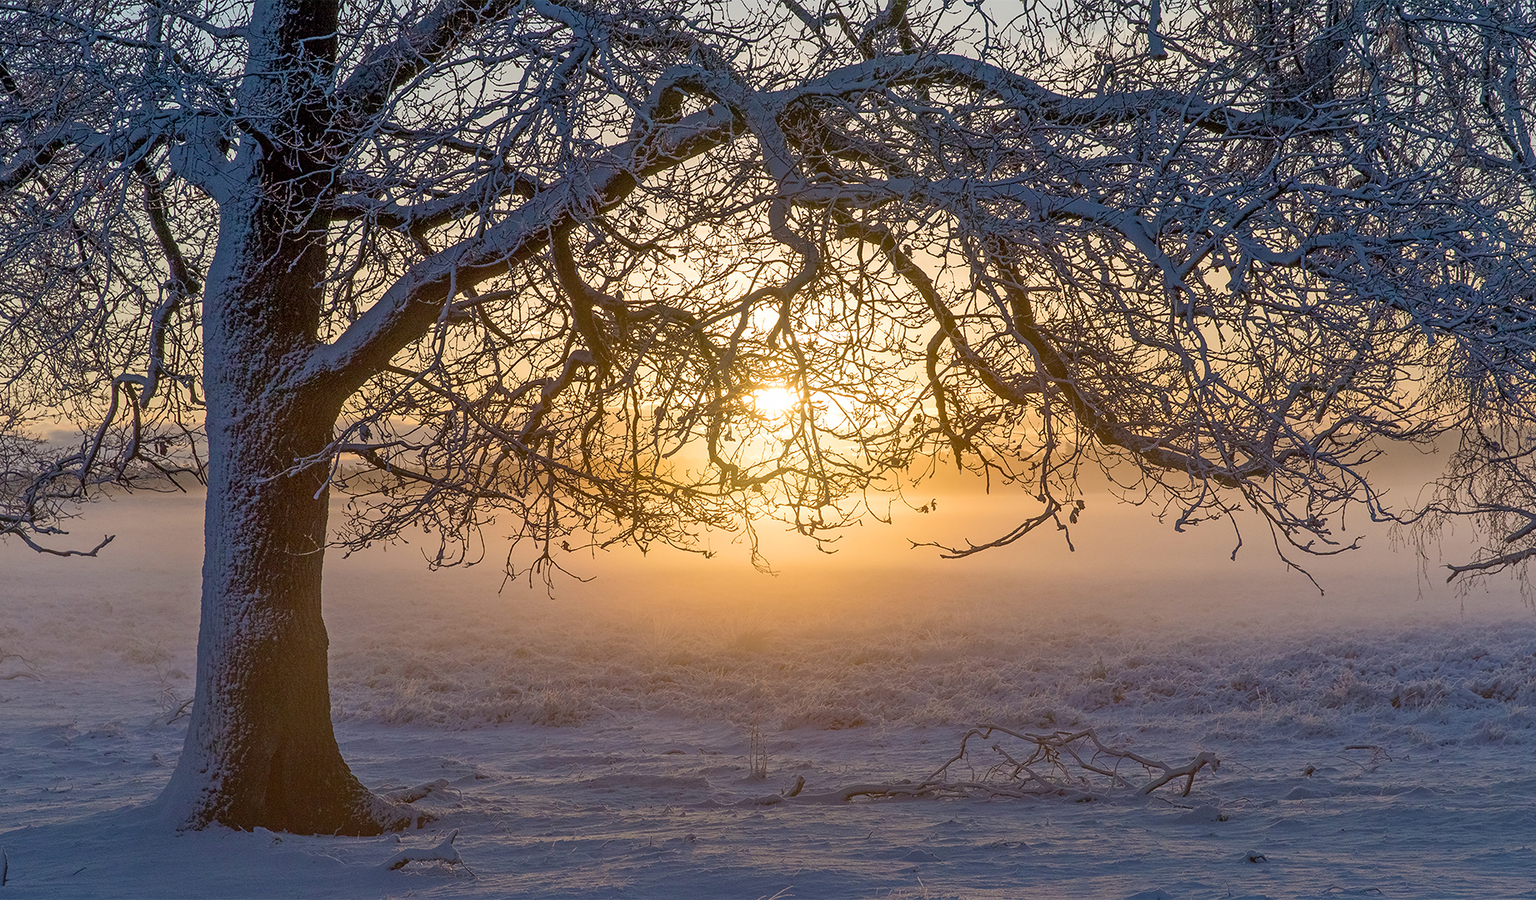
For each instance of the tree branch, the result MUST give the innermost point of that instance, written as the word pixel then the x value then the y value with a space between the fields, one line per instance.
pixel 411 307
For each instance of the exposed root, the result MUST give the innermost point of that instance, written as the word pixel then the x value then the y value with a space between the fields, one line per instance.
pixel 383 816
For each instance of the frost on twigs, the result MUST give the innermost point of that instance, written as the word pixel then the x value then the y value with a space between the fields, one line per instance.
pixel 444 852
pixel 1074 765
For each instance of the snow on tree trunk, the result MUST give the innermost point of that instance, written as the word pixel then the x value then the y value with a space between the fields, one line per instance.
pixel 260 749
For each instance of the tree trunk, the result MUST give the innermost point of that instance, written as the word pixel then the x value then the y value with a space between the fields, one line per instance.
pixel 260 750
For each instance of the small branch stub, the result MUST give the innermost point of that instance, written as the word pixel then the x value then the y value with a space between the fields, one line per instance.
pixel 444 852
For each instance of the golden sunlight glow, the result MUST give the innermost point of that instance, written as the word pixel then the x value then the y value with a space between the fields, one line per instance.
pixel 774 402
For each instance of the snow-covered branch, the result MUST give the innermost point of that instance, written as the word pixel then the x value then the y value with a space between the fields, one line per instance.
pixel 546 249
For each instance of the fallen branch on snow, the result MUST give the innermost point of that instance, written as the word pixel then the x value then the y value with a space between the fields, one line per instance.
pixel 1378 756
pixel 29 672
pixel 1074 765
pixel 411 795
pixel 443 852
pixel 785 794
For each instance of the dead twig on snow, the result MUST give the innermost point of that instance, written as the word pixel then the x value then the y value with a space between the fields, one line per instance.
pixel 1059 764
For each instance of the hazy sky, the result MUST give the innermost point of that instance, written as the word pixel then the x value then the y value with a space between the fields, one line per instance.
pixel 1127 568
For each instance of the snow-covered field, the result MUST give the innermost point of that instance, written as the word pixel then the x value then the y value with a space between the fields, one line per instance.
pixel 597 744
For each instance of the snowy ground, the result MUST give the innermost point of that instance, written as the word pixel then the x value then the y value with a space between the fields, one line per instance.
pixel 597 745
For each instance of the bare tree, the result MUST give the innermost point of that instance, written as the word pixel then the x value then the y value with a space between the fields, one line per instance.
pixel 625 272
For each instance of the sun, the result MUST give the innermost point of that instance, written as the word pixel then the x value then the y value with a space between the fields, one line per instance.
pixel 774 402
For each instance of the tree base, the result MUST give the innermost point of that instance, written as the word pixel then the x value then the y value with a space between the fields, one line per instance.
pixel 352 813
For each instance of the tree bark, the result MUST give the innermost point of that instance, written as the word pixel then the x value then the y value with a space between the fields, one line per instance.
pixel 260 749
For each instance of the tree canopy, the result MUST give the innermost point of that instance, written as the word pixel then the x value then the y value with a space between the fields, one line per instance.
pixel 1221 253
pixel 626 271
